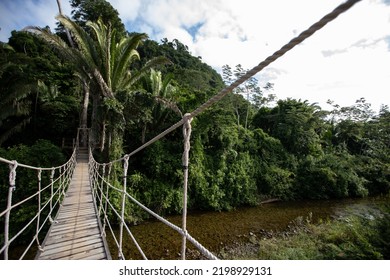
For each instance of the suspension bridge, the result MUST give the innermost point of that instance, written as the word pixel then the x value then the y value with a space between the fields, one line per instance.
pixel 73 200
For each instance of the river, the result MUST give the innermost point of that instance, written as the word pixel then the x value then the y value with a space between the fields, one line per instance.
pixel 218 230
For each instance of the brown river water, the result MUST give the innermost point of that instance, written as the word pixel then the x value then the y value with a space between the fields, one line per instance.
pixel 219 230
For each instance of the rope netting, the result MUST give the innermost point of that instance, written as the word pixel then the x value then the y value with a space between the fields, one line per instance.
pixel 100 179
pixel 49 196
pixel 44 192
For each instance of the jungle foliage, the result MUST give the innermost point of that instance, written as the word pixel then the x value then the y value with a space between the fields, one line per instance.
pixel 248 147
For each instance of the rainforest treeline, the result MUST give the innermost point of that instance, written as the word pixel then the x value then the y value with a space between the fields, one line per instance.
pixel 128 88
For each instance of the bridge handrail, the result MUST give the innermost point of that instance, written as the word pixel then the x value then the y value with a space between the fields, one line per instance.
pixel 57 188
pixel 98 188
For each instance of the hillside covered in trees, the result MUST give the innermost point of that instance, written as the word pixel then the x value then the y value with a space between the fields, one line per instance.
pixel 247 148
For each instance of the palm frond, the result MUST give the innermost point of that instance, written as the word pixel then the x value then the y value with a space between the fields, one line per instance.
pixel 157 61
pixel 169 104
pixel 125 53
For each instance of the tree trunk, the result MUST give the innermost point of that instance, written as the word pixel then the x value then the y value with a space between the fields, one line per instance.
pixel 66 30
pixel 84 115
pixel 103 137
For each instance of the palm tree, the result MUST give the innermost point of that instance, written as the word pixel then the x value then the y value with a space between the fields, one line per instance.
pixel 163 94
pixel 102 61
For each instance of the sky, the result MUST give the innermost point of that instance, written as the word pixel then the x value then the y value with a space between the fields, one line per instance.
pixel 346 60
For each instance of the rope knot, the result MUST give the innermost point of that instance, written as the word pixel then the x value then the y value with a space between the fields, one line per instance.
pixel 12 174
pixel 53 171
pixel 187 118
pixel 39 174
pixel 125 165
pixel 187 128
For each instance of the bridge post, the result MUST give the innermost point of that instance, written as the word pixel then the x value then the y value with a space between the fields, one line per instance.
pixel 185 160
pixel 106 199
pixel 125 167
pixel 12 181
pixel 39 175
pixel 101 189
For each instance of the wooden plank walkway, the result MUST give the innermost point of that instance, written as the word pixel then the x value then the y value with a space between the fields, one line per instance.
pixel 76 234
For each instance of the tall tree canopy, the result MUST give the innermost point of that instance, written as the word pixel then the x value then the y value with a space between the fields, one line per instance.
pixel 93 10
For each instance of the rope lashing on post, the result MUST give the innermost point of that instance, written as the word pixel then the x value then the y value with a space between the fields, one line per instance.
pixel 185 161
pixel 125 168
pixel 39 208
pixel 12 182
pixel 12 174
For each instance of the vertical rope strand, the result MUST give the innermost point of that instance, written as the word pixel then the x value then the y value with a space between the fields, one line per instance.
pixel 51 192
pixel 39 206
pixel 185 160
pixel 106 200
pixel 125 167
pixel 101 189
pixel 12 183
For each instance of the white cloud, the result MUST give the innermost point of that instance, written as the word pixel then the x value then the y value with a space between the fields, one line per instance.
pixel 17 14
pixel 128 10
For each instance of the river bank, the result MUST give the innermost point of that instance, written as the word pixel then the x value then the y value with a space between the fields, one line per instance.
pixel 231 234
pixel 361 232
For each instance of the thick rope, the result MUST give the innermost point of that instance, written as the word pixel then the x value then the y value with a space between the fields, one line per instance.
pixel 185 160
pixel 39 207
pixel 12 181
pixel 124 191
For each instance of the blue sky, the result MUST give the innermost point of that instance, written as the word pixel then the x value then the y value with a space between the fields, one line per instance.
pixel 347 60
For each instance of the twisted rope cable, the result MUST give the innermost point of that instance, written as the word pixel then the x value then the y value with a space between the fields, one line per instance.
pixel 39 175
pixel 185 160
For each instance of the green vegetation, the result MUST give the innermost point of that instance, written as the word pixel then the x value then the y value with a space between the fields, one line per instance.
pixel 127 88
pixel 352 237
pixel 42 153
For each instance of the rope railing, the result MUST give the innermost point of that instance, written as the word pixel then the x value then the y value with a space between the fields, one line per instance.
pixel 45 198
pixel 102 185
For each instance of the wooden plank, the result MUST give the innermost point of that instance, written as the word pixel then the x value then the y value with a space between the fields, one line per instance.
pixel 76 228
pixel 72 250
pixel 91 254
pixel 82 240
pixel 73 235
pixel 70 214
pixel 75 224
